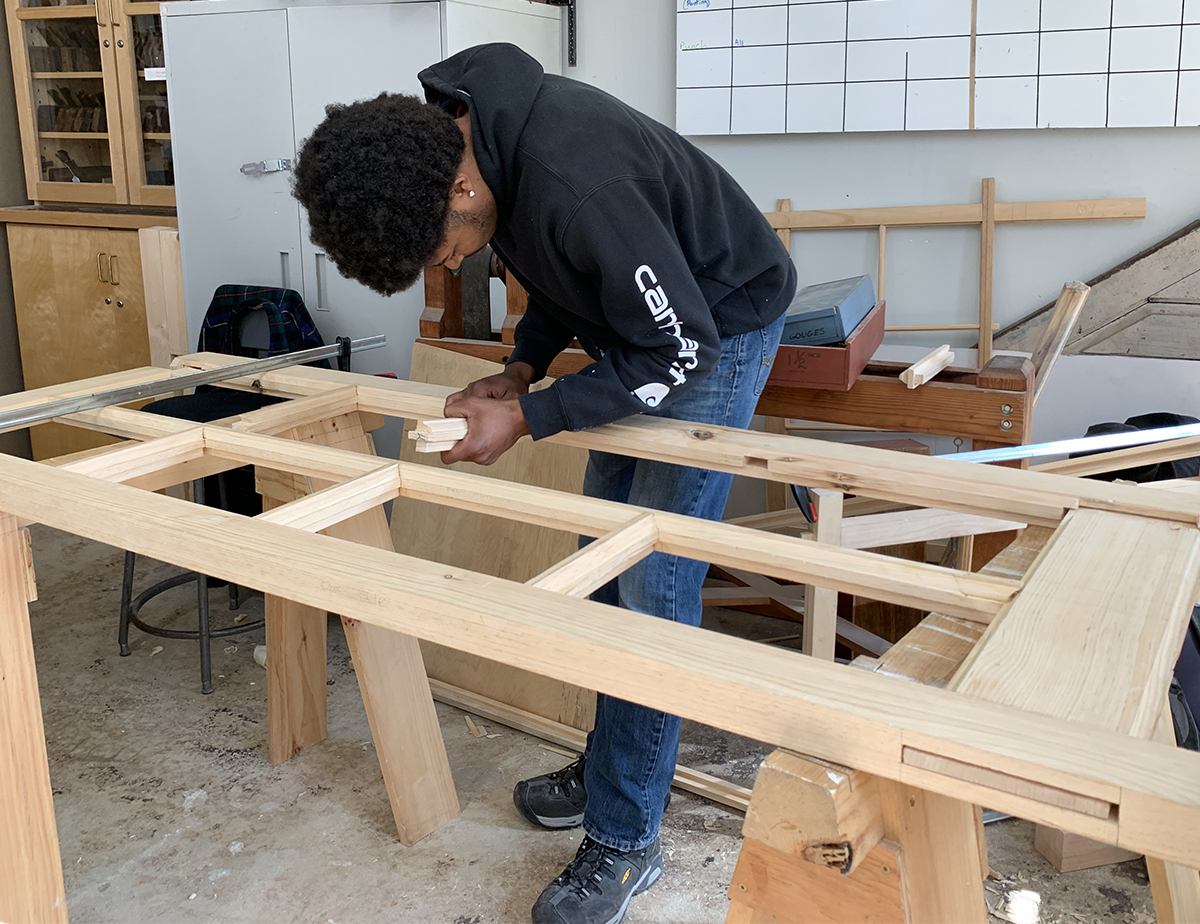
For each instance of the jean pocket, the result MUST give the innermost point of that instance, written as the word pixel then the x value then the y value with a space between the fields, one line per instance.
pixel 770 345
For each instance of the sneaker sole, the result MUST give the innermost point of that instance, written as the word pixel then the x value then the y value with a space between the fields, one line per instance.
pixel 553 822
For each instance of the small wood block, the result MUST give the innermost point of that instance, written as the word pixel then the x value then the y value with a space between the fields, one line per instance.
pixel 439 434
pixel 927 367
pixel 30 577
pixel 789 888
pixel 1069 852
pixel 1006 373
pixel 809 808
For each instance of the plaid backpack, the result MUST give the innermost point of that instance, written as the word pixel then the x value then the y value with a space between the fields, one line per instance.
pixel 291 327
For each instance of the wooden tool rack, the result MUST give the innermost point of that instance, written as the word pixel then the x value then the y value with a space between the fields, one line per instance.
pixel 1048 717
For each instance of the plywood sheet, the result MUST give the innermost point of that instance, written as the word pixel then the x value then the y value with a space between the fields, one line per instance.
pixel 504 548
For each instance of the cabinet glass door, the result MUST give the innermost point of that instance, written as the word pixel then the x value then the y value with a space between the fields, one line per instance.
pixel 71 126
pixel 147 122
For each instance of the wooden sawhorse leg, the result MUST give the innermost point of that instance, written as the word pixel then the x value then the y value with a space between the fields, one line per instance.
pixel 1176 888
pixel 31 878
pixel 827 844
pixel 391 673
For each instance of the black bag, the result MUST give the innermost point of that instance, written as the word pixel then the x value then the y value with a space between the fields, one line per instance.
pixel 1185 688
pixel 1158 471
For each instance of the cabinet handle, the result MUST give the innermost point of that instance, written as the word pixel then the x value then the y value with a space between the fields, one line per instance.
pixel 114 8
pixel 322 295
pixel 101 20
pixel 113 276
pixel 100 261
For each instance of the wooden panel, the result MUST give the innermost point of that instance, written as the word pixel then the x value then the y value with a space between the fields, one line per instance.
pixel 162 281
pixel 788 888
pixel 500 547
pixel 31 879
pixel 1108 584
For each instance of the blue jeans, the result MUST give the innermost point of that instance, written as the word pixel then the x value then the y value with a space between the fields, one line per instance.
pixel 632 749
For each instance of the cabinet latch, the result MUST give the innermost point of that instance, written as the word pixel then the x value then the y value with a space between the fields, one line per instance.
pixel 267 166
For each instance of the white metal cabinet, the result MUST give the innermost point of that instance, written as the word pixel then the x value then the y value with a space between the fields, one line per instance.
pixel 234 84
pixel 249 80
pixel 387 44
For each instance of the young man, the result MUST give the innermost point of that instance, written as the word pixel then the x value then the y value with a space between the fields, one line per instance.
pixel 640 246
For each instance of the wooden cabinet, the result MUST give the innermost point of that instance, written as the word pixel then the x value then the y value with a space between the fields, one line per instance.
pixel 80 312
pixel 92 101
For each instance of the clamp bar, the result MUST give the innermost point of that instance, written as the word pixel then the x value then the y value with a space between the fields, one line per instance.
pixel 23 417
pixel 1080 444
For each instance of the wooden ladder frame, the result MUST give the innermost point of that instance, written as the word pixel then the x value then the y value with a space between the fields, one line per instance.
pixel 1065 747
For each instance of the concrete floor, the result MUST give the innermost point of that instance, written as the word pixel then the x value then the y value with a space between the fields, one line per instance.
pixel 168 810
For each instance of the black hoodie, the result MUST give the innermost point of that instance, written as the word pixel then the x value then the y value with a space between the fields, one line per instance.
pixel 624 234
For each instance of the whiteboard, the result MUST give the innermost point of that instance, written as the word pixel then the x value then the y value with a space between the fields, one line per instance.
pixel 773 66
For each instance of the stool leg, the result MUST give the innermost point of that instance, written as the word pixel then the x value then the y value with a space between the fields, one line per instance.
pixel 126 600
pixel 202 606
pixel 205 649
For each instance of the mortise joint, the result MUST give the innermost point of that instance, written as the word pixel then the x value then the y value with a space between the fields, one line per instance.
pixel 835 856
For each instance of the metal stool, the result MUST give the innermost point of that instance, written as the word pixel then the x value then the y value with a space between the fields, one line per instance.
pixel 131 606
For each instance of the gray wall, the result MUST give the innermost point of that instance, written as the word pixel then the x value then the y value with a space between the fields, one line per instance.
pixel 627 47
pixel 12 192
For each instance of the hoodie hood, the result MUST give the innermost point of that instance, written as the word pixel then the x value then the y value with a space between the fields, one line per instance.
pixel 498 84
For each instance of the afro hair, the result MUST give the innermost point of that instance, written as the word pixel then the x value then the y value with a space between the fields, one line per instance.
pixel 375 178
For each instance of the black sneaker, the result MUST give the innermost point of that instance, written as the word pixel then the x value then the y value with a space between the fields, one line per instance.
pixel 556 800
pixel 597 885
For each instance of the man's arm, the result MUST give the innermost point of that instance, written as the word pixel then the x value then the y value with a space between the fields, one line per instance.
pixel 622 237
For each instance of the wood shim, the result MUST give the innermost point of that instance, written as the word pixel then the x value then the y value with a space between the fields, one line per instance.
pixel 928 366
pixel 438 435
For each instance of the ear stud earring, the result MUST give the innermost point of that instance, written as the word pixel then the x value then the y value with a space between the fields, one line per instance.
pixel 471 193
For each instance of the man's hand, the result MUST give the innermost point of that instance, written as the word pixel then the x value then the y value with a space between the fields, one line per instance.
pixel 510 383
pixel 493 426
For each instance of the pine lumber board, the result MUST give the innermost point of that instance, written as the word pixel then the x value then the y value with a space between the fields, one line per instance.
pixel 338 502
pixel 850 717
pixel 296 636
pixel 31 878
pixel 959 214
pixel 1095 632
pixel 1038 498
pixel 600 561
pixel 820 603
pixel 125 462
pixel 872 531
pixel 787 888
pixel 987 265
pixel 275 418
pixel 1060 327
pixel 688 779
